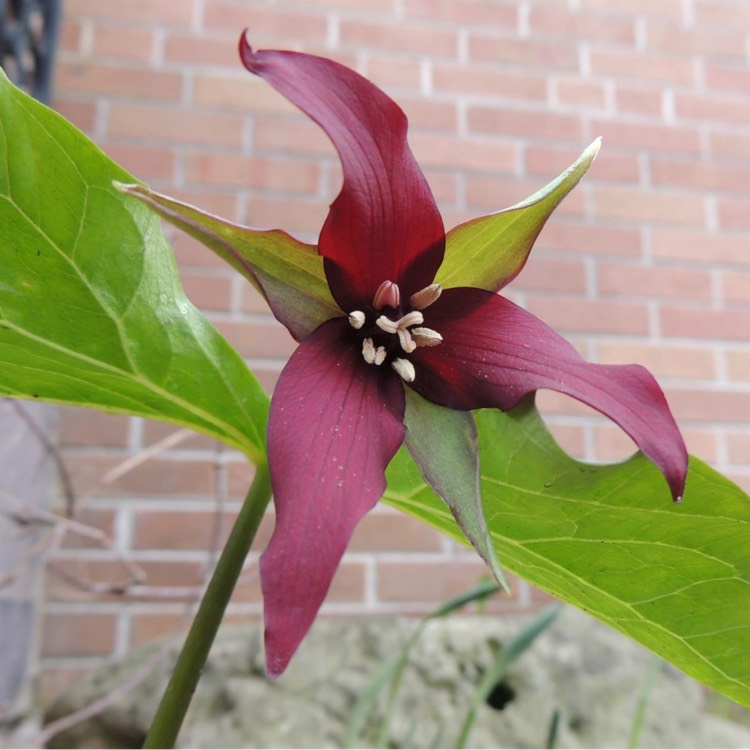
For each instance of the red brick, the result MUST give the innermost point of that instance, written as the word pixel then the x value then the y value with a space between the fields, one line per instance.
pixel 98 521
pixel 494 193
pixel 252 300
pixel 153 477
pixel 444 186
pixel 394 532
pixel 708 177
pixel 197 49
pixel 738 365
pixel 277 135
pixel 727 14
pixel 638 100
pixel 70 35
pixel 489 82
pixel 642 66
pixel 730 145
pixel 672 39
pixel 260 340
pixel 590 239
pixel 464 12
pixel 437 581
pixel 53 682
pixel 727 77
pixel 663 360
pixel 123 42
pixel 87 78
pixel 580 93
pixel 391 71
pixel 699 247
pixel 238 92
pixel 526 52
pixel 478 154
pixel 571 438
pixel 736 286
pixel 403 37
pixel 561 22
pixel 550 161
pixel 265 24
pixel 180 529
pixel 79 634
pixel 710 406
pixel 660 282
pixel 590 316
pixel 172 125
pixel 650 206
pixel 81 114
pixel 529 124
pixel 429 115
pixel 664 8
pixel 88 427
pixel 647 136
pixel 734 213
pixel 547 275
pixel 700 323
pixel 708 108
pixel 144 161
pixel 739 447
pixel 174 12
pixel 208 292
pixel 147 626
pixel 294 216
pixel 230 170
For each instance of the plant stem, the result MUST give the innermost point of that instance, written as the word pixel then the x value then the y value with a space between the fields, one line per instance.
pixel 174 703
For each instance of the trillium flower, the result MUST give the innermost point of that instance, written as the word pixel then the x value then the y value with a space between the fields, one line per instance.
pixel 386 354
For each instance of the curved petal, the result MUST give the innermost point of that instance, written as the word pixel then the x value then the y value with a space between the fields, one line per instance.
pixel 494 353
pixel 335 424
pixel 384 224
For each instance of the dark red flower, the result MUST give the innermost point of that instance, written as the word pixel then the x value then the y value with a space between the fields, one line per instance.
pixel 337 413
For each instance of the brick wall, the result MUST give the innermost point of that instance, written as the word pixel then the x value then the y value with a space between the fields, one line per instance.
pixel 648 261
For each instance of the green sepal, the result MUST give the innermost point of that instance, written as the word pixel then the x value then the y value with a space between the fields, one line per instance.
pixel 609 540
pixel 287 272
pixel 490 251
pixel 92 312
pixel 443 442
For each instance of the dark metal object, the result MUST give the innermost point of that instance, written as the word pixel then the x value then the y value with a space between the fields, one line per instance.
pixel 28 38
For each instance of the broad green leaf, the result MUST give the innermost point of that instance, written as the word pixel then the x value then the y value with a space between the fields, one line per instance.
pixel 444 444
pixel 609 540
pixel 288 273
pixel 490 251
pixel 91 309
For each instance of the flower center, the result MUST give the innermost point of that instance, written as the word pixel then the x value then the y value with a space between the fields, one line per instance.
pixel 389 331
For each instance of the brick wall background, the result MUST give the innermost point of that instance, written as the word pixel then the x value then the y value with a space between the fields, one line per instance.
pixel 647 261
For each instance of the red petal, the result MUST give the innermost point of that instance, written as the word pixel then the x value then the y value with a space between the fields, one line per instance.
pixel 334 426
pixel 384 225
pixel 494 353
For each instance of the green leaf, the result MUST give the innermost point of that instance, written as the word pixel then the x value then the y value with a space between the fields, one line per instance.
pixel 444 444
pixel 288 273
pixel 91 309
pixel 609 540
pixel 490 251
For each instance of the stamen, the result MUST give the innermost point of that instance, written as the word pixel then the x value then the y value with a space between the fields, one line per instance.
pixel 414 318
pixel 426 337
pixel 425 297
pixel 405 369
pixel 387 295
pixel 372 355
pixel 356 319
pixel 406 341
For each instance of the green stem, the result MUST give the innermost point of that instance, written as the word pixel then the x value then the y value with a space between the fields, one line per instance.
pixel 174 703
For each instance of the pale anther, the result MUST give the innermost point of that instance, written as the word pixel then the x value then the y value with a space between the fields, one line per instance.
pixel 413 318
pixel 406 341
pixel 405 369
pixel 426 337
pixel 425 297
pixel 356 319
pixel 372 355
pixel 387 295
